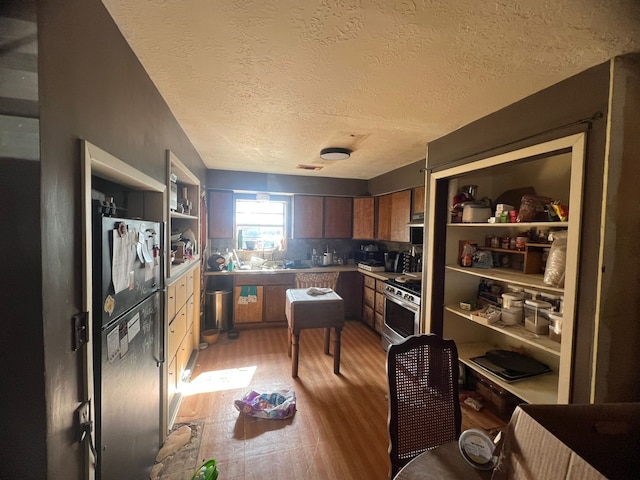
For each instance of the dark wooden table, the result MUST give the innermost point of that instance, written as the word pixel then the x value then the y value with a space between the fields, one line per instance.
pixel 442 463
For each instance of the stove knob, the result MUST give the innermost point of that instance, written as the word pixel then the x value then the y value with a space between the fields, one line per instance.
pixel 398 293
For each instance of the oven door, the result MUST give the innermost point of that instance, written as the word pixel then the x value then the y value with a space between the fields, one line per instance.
pixel 401 319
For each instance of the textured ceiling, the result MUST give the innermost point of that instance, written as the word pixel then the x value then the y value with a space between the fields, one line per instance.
pixel 264 85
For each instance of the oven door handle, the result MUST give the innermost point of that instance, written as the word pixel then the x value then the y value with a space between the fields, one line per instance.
pixel 402 302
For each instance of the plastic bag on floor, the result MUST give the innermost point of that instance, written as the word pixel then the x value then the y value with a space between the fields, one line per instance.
pixel 276 405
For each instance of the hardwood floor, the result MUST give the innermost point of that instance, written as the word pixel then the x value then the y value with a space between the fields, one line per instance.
pixel 339 430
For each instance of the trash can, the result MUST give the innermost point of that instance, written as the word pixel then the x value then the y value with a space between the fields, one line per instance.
pixel 218 310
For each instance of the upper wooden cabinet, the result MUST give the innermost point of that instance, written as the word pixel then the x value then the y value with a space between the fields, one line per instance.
pixel 338 217
pixel 417 204
pixel 400 215
pixel 220 207
pixel 384 217
pixel 363 218
pixel 322 217
pixel 394 212
pixel 308 215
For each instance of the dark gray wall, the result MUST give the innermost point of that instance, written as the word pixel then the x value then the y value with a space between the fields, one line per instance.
pixel 402 178
pixel 90 86
pixel 266 182
pixel 554 112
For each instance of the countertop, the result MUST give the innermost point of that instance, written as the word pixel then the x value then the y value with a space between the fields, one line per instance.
pixel 329 268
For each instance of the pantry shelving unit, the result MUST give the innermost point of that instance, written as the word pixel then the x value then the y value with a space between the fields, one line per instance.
pixel 553 169
pixel 178 221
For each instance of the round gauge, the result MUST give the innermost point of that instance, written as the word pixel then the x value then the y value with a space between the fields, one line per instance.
pixel 477 449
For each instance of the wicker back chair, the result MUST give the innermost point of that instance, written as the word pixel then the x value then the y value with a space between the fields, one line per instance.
pixel 321 280
pixel 424 409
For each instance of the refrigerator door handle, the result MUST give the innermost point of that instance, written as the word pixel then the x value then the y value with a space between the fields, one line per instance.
pixel 161 332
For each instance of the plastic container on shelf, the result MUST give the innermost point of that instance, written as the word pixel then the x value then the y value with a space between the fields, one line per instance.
pixel 553 299
pixel 555 326
pixel 512 316
pixel 536 316
pixel 512 300
pixel 531 294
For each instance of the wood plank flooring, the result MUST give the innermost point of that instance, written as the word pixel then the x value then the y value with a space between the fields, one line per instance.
pixel 339 430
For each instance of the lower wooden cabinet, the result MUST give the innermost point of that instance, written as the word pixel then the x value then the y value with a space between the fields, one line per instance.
pixel 183 335
pixel 260 298
pixel 247 304
pixel 275 302
pixel 368 300
pixel 379 306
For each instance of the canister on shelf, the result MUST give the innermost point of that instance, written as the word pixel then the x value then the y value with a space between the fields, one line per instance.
pixel 510 300
pixel 555 326
pixel 536 316
pixel 512 316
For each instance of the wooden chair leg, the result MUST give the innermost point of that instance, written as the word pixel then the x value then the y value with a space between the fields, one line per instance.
pixel 336 351
pixel 327 340
pixel 294 360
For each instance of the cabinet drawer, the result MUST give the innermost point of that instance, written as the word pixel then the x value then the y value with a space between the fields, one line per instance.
pixel 369 297
pixel 177 330
pixel 172 380
pixel 184 353
pixel 171 301
pixel 379 303
pixel 190 280
pixel 369 282
pixel 190 311
pixel 181 291
pixel 380 284
pixel 378 322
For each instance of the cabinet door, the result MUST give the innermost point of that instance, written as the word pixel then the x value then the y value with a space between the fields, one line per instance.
pixel 368 316
pixel 308 216
pixel 220 214
pixel 363 218
pixel 417 204
pixel 384 217
pixel 248 311
pixel 338 217
pixel 378 321
pixel 350 289
pixel 369 297
pixel 274 302
pixel 400 215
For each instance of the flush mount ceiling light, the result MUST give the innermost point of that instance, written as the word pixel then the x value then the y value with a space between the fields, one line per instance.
pixel 335 153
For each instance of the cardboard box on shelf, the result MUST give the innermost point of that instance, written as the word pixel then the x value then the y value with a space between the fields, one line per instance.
pixel 586 442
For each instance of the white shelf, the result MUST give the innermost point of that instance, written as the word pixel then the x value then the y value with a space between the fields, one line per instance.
pixel 184 216
pixel 515 331
pixel 542 389
pixel 507 275
pixel 518 225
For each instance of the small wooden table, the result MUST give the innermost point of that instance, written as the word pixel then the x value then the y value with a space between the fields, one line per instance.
pixel 313 311
pixel 442 463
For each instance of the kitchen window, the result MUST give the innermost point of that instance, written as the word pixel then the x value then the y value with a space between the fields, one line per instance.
pixel 261 221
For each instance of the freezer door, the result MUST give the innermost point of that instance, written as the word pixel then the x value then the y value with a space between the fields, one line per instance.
pixel 127 265
pixel 128 393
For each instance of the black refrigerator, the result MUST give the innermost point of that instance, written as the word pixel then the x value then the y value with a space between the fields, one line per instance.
pixel 128 345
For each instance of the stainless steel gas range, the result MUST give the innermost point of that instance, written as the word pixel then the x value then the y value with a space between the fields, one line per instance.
pixel 401 311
